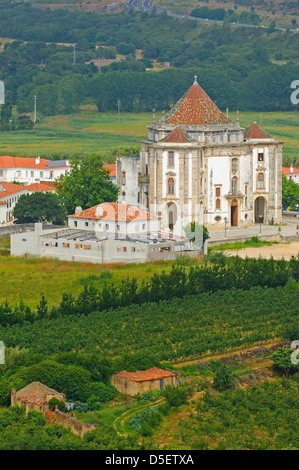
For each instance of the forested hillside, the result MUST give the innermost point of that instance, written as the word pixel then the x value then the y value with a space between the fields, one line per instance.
pixel 239 67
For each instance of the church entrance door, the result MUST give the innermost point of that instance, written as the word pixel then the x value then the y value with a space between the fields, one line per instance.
pixel 234 213
pixel 259 210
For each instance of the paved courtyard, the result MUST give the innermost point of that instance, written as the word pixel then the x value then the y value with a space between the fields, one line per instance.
pixel 257 230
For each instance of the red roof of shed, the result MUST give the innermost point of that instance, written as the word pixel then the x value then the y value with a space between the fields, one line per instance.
pixel 141 375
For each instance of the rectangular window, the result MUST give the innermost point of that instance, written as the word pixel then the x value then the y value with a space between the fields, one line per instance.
pixel 75 223
pixel 125 248
pixel 260 157
pixel 65 245
pixel 123 178
pixel 41 174
pixel 170 158
pixel 87 247
pixel 218 192
pixel 78 246
pixel 32 174
pixel 86 224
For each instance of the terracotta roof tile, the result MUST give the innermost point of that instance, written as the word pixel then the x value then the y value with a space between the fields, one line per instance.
pixel 21 162
pixel 196 108
pixel 177 135
pixel 256 132
pixel 141 375
pixel 10 188
pixel 40 187
pixel 115 211
pixel 287 171
pixel 111 168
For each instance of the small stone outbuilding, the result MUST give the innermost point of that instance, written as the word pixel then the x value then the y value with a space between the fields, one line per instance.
pixel 35 396
pixel 141 381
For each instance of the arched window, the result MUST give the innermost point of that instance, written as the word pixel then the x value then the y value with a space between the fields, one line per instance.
pixel 234 165
pixel 260 181
pixel 234 186
pixel 170 186
pixel 218 204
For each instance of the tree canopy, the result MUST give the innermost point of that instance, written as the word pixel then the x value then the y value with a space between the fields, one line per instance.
pixel 40 207
pixel 87 185
pixel 290 193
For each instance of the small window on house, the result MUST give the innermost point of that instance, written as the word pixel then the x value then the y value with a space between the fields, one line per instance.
pixel 86 224
pixel 41 174
pixel 143 226
pixel 87 247
pixel 260 181
pixel 245 201
pixel 171 158
pixel 32 174
pixel 217 192
pixel 75 223
pixel 123 178
pixel 65 245
pixel 245 189
pixel 260 156
pixel 234 165
pixel 106 226
pixel 218 206
pixel 125 248
pixel 170 186
pixel 146 169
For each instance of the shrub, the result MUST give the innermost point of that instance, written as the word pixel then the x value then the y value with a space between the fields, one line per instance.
pixel 36 418
pixel 175 396
pixel 55 402
pixel 223 379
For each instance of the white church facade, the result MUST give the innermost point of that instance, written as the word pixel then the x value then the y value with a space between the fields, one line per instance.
pixel 198 165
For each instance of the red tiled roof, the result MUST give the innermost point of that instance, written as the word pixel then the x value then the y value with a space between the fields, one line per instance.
pixel 177 135
pixel 287 171
pixel 37 399
pixel 256 132
pixel 115 211
pixel 140 375
pixel 21 162
pixel 112 169
pixel 10 188
pixel 196 108
pixel 40 187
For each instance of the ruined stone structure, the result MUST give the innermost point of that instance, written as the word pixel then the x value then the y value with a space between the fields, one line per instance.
pixel 133 383
pixel 199 165
pixel 35 396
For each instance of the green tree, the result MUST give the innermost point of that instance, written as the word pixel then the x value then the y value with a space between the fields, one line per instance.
pixel 290 192
pixel 40 207
pixel 87 185
pixel 282 361
pixel 223 379
pixel 196 233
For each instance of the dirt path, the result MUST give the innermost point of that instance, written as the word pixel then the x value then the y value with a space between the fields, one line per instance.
pixel 282 250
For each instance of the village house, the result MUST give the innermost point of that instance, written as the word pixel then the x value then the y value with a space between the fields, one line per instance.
pixel 31 170
pixel 199 165
pixel 107 233
pixel 141 381
pixel 10 194
pixel 112 171
pixel 291 173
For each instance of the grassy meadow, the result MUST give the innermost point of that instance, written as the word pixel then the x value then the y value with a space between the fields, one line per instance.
pixel 89 131
pixel 27 279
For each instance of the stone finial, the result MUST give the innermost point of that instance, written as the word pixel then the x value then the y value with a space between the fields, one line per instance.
pixel 226 112
pixel 195 80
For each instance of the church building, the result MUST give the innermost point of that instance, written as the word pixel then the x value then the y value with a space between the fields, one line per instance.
pixel 199 165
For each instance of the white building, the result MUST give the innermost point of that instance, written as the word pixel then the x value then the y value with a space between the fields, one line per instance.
pixel 10 194
pixel 291 173
pixel 115 218
pixel 199 165
pixel 31 170
pixel 102 234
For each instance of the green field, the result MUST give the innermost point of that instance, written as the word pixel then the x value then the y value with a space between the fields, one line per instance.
pixel 53 277
pixel 89 131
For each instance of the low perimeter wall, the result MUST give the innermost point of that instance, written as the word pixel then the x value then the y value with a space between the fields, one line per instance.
pixel 72 423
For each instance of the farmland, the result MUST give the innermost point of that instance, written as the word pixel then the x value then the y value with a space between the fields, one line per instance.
pixel 89 132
